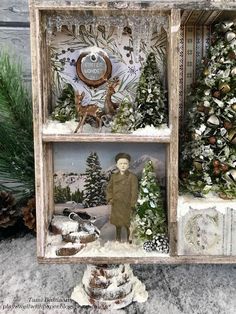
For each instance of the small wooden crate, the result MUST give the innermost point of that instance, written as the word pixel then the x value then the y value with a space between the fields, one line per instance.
pixel 182 16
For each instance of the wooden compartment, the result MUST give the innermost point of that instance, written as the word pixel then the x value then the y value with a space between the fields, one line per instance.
pixel 50 19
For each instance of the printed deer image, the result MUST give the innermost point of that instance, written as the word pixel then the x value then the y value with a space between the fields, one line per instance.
pixel 86 111
pixel 110 106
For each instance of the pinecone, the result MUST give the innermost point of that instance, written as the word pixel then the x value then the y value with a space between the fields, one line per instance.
pixel 161 243
pixel 8 212
pixel 29 214
pixel 149 246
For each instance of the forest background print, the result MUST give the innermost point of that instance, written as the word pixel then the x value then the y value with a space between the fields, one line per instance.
pixel 66 48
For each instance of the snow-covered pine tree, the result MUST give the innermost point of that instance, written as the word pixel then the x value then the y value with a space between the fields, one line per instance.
pixel 124 119
pixel 150 102
pixel 208 159
pixel 65 105
pixel 94 192
pixel 150 217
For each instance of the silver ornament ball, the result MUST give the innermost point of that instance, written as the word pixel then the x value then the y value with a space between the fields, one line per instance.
pixel 225 26
pixel 233 71
pixel 230 176
pixel 229 36
pixel 213 121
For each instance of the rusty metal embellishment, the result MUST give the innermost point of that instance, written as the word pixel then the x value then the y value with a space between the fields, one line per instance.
pixel 94 68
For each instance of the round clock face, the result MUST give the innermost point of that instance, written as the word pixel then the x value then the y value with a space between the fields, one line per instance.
pixel 94 68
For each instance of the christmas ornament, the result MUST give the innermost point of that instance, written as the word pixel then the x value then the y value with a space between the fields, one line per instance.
pixel 225 26
pixel 206 72
pixel 230 176
pixel 8 213
pixel 233 71
pixel 197 165
pixel 224 88
pixel 29 214
pixel 224 167
pixel 228 125
pixel 216 163
pixel 231 55
pixel 233 106
pixel 213 121
pixel 206 103
pixel 233 42
pixel 216 171
pixel 219 167
pixel 212 140
pixel 200 108
pixel 229 36
pixel 216 94
pixel 232 136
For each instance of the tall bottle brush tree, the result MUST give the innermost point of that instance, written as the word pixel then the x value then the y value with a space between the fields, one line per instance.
pixel 208 158
pixel 16 140
pixel 94 192
pixel 150 217
pixel 150 102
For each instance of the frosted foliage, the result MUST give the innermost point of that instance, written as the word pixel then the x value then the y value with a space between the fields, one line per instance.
pixel 150 218
pixel 208 153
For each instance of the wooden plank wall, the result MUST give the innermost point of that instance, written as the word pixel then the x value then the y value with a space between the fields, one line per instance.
pixel 15 32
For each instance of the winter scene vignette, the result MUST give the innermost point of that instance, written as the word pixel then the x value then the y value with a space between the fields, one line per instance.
pixel 101 84
pixel 85 224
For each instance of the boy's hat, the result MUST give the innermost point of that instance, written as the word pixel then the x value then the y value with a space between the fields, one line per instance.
pixel 122 155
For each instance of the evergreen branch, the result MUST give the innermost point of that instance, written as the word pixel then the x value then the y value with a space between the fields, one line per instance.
pixel 16 129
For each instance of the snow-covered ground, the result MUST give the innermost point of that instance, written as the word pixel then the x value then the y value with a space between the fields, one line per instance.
pixel 30 288
pixel 105 246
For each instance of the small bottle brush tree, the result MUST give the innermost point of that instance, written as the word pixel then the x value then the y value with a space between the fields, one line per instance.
pixel 65 106
pixel 151 102
pixel 94 193
pixel 208 159
pixel 150 219
pixel 124 119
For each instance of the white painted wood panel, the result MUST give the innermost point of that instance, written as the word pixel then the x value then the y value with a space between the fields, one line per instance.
pixel 17 42
pixel 14 11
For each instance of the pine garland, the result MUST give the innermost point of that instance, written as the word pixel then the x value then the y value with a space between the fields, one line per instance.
pixel 16 129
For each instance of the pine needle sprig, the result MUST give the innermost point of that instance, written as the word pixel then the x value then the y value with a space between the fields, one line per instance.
pixel 16 129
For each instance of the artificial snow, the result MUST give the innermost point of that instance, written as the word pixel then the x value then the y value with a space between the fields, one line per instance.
pixel 150 130
pixel 56 127
pixel 68 127
pixel 46 288
pixel 65 225
pixel 187 201
pixel 100 249
pixel 134 290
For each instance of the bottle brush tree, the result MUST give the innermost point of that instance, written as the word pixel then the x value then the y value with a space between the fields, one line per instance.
pixel 150 217
pixel 150 102
pixel 208 158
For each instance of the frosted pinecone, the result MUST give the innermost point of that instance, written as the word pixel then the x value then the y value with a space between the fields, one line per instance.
pixel 149 246
pixel 161 243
